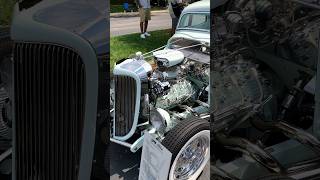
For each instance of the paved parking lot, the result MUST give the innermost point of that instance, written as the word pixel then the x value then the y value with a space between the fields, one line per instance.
pixel 129 25
pixel 124 165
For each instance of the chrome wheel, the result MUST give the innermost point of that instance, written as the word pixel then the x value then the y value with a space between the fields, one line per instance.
pixel 192 157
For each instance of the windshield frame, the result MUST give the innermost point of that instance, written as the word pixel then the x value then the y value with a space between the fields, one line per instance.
pixel 206 13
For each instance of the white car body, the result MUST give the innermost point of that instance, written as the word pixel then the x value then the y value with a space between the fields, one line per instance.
pixel 192 33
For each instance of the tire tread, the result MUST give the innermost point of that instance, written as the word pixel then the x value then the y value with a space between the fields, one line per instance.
pixel 182 132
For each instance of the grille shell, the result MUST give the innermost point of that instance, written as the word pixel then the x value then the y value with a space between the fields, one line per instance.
pixel 49 85
pixel 125 104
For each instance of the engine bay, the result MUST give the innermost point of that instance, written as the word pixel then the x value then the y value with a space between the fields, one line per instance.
pixel 172 85
pixel 179 85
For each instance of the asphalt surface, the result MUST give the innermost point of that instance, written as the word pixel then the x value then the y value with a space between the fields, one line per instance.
pixel 128 25
pixel 124 165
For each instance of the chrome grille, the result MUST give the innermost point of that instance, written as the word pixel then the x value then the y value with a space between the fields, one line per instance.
pixel 125 101
pixel 49 84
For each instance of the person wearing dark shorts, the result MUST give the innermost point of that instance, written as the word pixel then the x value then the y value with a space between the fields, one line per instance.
pixel 175 8
pixel 174 23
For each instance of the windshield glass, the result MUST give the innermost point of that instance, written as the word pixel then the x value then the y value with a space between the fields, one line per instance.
pixel 199 21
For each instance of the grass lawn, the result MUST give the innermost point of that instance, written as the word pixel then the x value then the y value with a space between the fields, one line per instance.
pixel 6 8
pixel 124 46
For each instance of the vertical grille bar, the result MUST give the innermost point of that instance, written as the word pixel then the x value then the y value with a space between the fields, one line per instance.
pixel 49 106
pixel 125 100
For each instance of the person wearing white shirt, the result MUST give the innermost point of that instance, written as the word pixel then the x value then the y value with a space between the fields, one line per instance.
pixel 145 16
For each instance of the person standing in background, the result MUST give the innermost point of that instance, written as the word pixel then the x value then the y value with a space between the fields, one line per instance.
pixel 175 9
pixel 145 16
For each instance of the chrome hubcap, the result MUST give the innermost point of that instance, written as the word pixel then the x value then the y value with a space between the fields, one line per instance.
pixel 191 157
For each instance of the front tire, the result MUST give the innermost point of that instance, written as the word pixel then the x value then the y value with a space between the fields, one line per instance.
pixel 189 143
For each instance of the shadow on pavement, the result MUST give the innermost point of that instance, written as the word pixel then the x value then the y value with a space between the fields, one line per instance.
pixel 124 165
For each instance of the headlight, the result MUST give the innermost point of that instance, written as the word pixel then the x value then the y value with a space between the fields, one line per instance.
pixel 159 119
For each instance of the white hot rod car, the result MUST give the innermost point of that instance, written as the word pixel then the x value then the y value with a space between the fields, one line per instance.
pixel 165 93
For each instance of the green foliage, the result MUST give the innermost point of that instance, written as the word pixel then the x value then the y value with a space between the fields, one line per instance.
pixel 6 9
pixel 116 8
pixel 119 8
pixel 124 46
